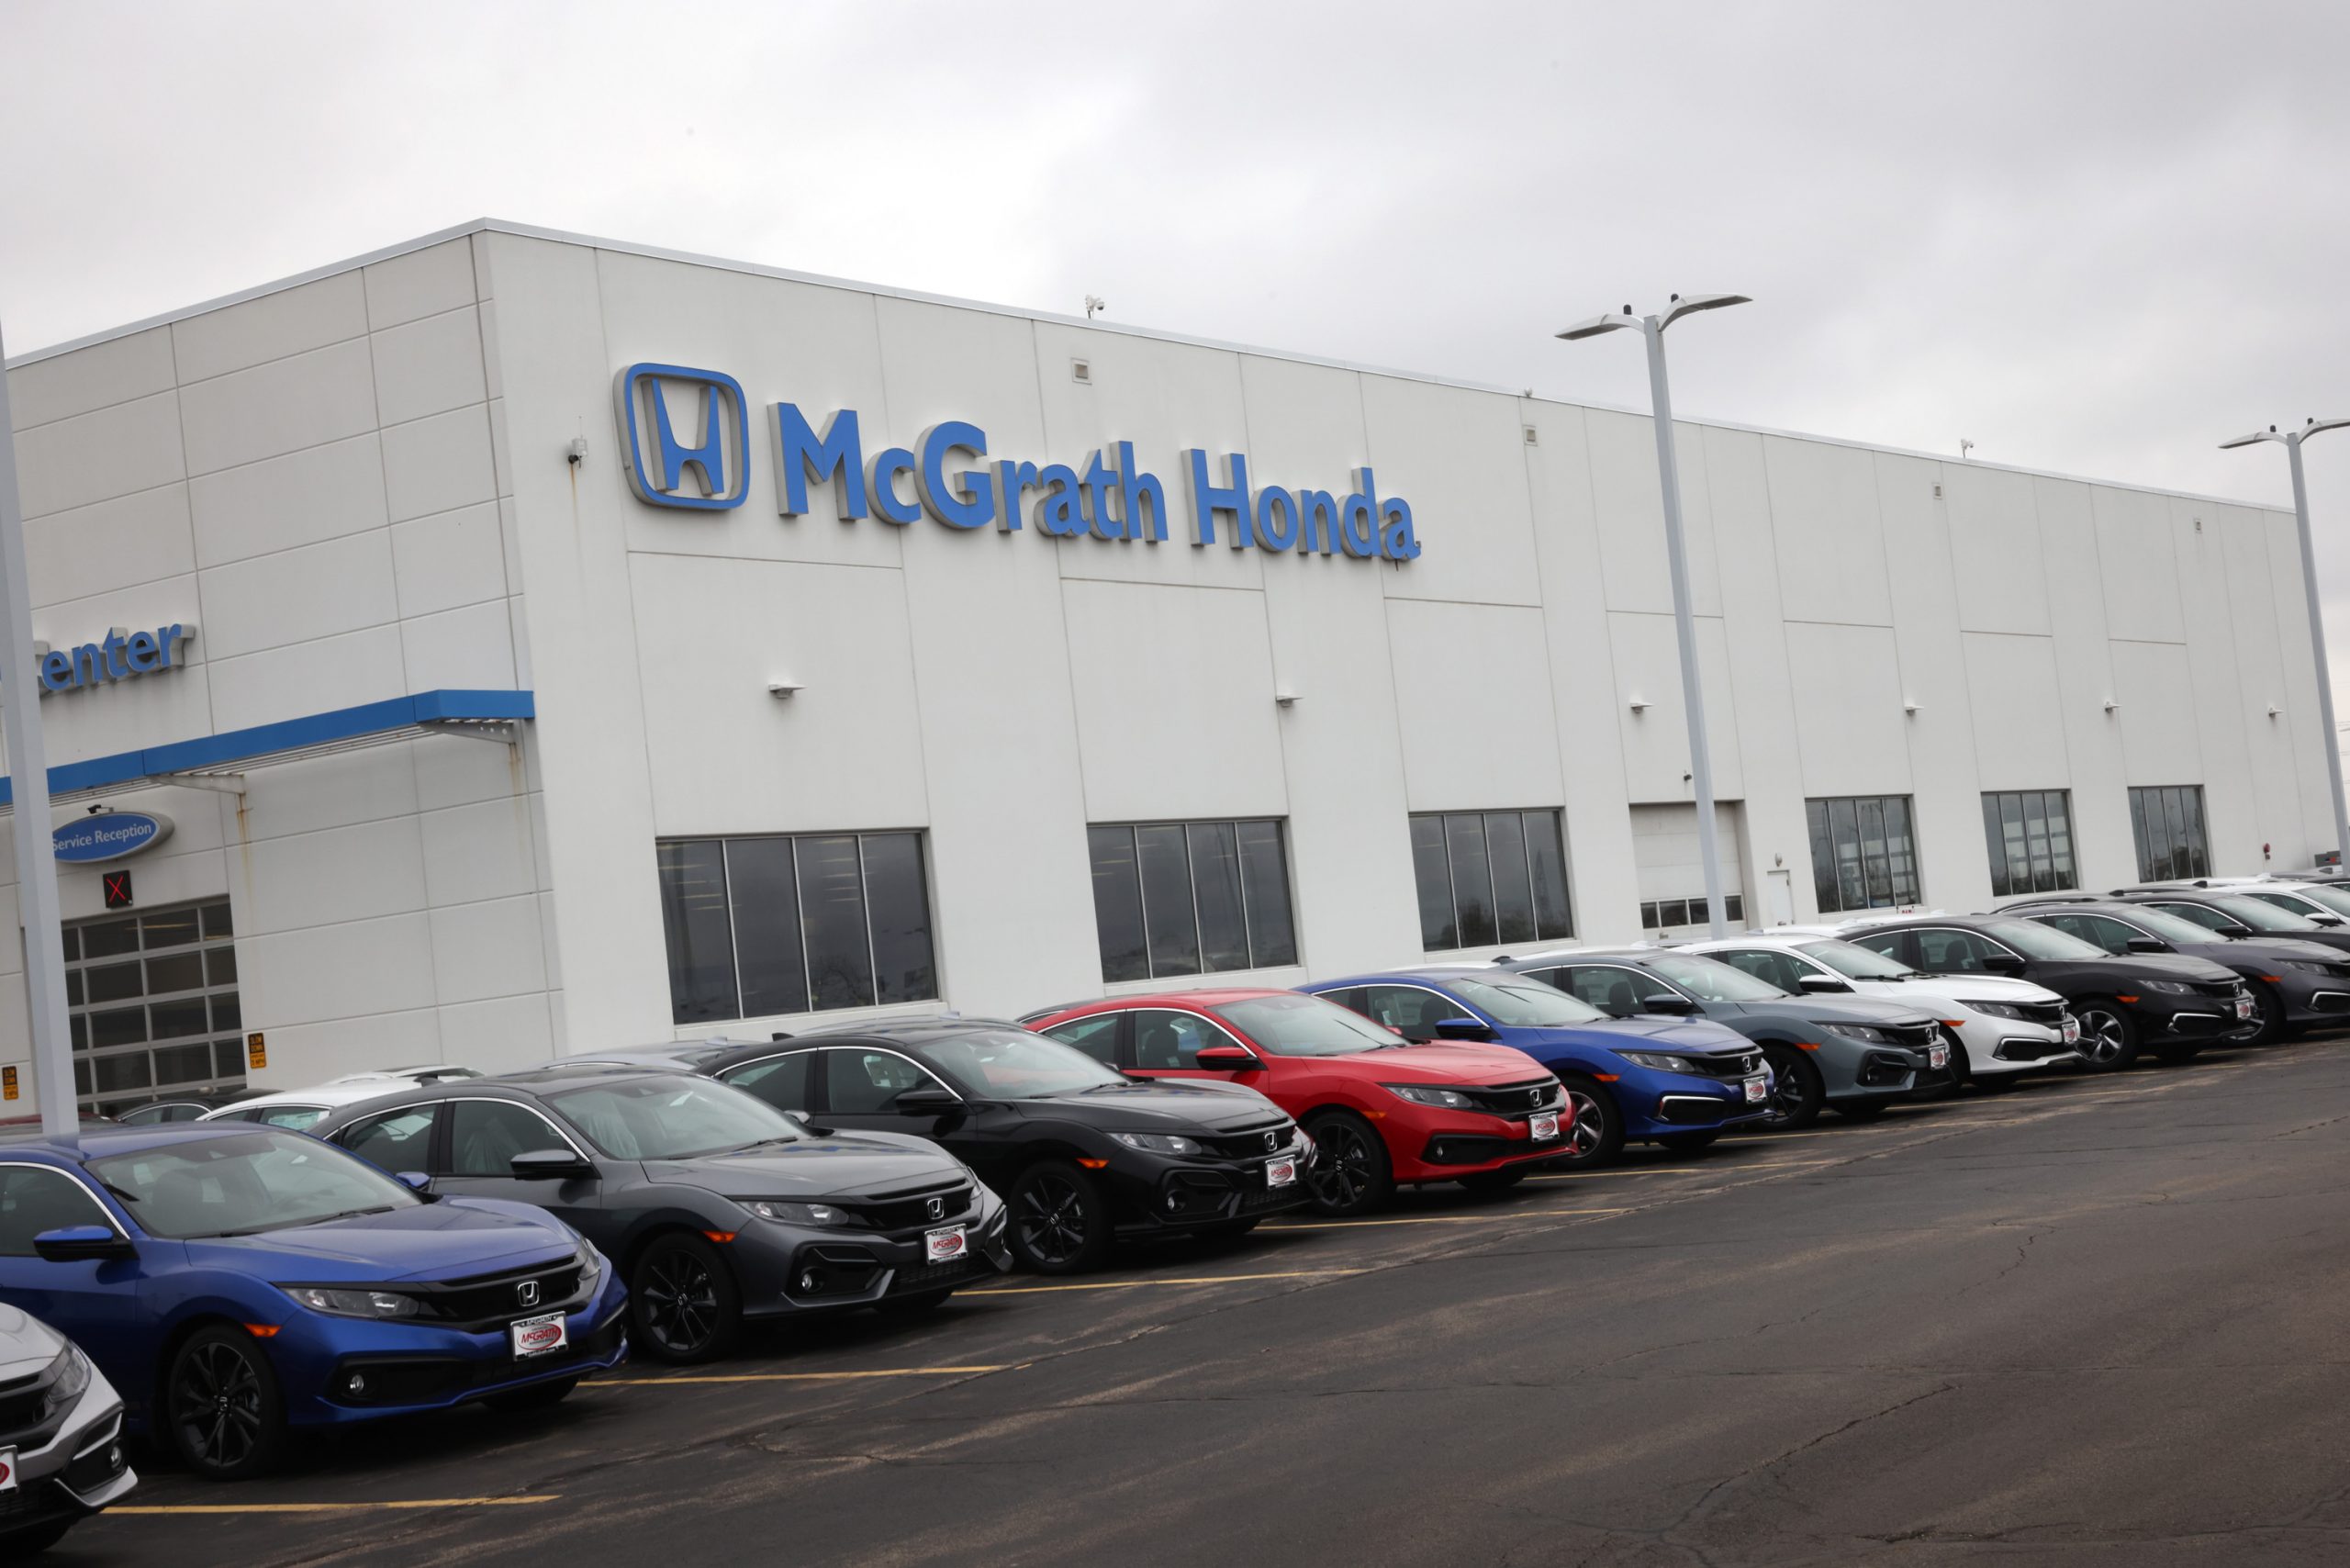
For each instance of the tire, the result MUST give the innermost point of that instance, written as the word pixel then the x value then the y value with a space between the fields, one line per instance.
pixel 222 1409
pixel 27 1542
pixel 684 1305
pixel 1594 1127
pixel 1354 1174
pixel 1859 1110
pixel 1060 1224
pixel 2273 1029
pixel 1796 1090
pixel 538 1396
pixel 1486 1181
pixel 1690 1143
pixel 2109 1037
pixel 1962 1071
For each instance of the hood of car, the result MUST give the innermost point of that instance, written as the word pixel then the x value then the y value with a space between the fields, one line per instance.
pixel 2268 950
pixel 1962 988
pixel 1436 1062
pixel 1867 1010
pixel 448 1241
pixel 1172 1106
pixel 27 1344
pixel 841 1165
pixel 2169 966
pixel 1653 1033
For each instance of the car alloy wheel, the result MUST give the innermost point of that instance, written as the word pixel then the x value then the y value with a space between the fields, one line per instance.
pixel 2106 1042
pixel 1589 1123
pixel 1052 1218
pixel 1797 1091
pixel 685 1303
pixel 1350 1173
pixel 224 1409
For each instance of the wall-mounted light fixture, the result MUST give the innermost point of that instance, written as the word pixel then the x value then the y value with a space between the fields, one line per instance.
pixel 1640 705
pixel 2111 705
pixel 1909 706
pixel 1284 698
pixel 783 688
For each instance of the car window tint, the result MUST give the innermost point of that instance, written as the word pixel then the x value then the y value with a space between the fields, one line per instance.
pixel 293 1118
pixel 781 1082
pixel 2099 931
pixel 486 1135
pixel 1409 1011
pixel 2204 915
pixel 1611 990
pixel 33 1199
pixel 397 1140
pixel 1171 1041
pixel 1952 952
pixel 1769 967
pixel 866 1083
pixel 1096 1035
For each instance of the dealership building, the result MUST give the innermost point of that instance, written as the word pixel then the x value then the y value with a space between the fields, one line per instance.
pixel 511 642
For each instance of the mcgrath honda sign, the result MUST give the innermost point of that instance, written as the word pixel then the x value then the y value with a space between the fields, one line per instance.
pixel 686 433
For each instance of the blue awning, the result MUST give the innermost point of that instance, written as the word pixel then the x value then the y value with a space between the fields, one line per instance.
pixel 425 712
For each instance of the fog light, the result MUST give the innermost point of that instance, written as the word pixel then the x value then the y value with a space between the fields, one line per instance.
pixel 356 1384
pixel 811 1280
pixel 1174 1201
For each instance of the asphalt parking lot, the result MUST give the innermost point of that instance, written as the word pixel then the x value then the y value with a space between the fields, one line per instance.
pixel 2086 1321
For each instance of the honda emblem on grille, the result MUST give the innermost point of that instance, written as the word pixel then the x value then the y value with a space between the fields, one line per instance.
pixel 526 1292
pixel 937 1208
pixel 1272 1142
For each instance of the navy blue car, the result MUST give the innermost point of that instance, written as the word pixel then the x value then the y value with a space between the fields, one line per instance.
pixel 236 1283
pixel 1675 1082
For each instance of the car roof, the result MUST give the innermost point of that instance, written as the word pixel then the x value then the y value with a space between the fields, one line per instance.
pixel 1414 972
pixel 98 1139
pixel 1204 996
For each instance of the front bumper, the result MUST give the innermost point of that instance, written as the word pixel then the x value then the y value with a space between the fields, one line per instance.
pixel 1430 1145
pixel 1995 1046
pixel 1861 1070
pixel 2168 1016
pixel 1657 1104
pixel 1165 1194
pixel 2312 998
pixel 339 1370
pixel 787 1270
pixel 79 1469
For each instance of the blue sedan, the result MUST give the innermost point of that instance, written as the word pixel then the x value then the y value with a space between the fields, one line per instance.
pixel 1675 1082
pixel 237 1282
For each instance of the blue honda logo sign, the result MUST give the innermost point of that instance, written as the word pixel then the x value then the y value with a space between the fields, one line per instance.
pixel 710 474
pixel 108 835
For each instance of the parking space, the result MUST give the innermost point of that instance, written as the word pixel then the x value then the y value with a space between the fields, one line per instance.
pixel 1665 1341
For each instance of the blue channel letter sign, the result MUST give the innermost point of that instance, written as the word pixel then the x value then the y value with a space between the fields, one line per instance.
pixel 948 475
pixel 108 835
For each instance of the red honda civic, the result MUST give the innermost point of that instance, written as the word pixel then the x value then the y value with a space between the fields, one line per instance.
pixel 1382 1111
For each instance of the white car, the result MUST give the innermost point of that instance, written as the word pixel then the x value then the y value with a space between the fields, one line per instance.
pixel 2005 1026
pixel 67 1463
pixel 297 1110
pixel 2319 902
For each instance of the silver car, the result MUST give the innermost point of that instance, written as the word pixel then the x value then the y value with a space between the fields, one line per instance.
pixel 61 1436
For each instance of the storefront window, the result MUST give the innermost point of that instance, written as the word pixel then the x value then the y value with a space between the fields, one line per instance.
pixel 1488 877
pixel 1190 898
pixel 2030 834
pixel 1861 853
pixel 2168 824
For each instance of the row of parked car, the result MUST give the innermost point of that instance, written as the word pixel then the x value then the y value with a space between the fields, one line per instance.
pixel 228 1274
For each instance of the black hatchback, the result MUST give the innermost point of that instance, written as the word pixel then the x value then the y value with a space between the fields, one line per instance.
pixel 1081 1153
pixel 718 1209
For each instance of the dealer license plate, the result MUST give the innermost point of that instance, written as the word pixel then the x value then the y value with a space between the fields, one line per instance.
pixel 1755 1090
pixel 8 1470
pixel 944 1245
pixel 1938 1057
pixel 2072 1032
pixel 2244 1006
pixel 537 1336
pixel 1543 1127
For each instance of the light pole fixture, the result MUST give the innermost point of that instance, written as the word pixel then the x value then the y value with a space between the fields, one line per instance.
pixel 2291 442
pixel 1676 554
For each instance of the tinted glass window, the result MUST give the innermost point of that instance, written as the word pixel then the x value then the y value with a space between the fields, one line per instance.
pixel 762 891
pixel 1409 1009
pixel 1096 1035
pixel 1855 962
pixel 867 1083
pixel 245 1182
pixel 1013 1064
pixel 397 1140
pixel 781 1082
pixel 486 1135
pixel 1291 1024
pixel 34 1199
pixel 294 1118
pixel 1432 876
pixel 1167 1041
pixel 1173 924
pixel 1524 1001
pixel 700 939
pixel 1952 952
pixel 1861 853
pixel 1707 981
pixel 832 915
pixel 671 1119
pixel 1118 903
pixel 2263 917
pixel 1264 874
pixel 1772 968
pixel 1216 893
pixel 2167 823
pixel 2030 837
pixel 1616 992
pixel 899 892
pixel 1489 876
pixel 2038 941
pixel 1183 898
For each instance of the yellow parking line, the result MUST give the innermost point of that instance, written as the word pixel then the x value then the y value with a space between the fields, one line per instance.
pixel 120 1509
pixel 1129 1285
pixel 1443 1219
pixel 1718 1169
pixel 799 1377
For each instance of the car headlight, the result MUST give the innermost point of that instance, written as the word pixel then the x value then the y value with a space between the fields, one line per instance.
pixel 797 1213
pixel 2309 967
pixel 591 1268
pixel 2177 988
pixel 1429 1094
pixel 1992 1009
pixel 1852 1031
pixel 1157 1143
pixel 68 1375
pixel 357 1303
pixel 1661 1061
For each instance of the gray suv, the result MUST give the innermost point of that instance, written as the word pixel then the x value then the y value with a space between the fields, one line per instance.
pixel 60 1437
pixel 1853 1053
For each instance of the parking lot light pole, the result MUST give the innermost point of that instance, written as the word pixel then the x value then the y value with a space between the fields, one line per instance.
pixel 29 764
pixel 2291 442
pixel 1676 554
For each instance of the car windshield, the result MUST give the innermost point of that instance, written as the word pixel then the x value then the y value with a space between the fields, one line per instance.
pixel 2261 916
pixel 2036 941
pixel 244 1184
pixel 671 1119
pixel 1709 980
pixel 1855 962
pixel 1013 1064
pixel 1524 1002
pixel 2162 924
pixel 1296 1026
pixel 2335 899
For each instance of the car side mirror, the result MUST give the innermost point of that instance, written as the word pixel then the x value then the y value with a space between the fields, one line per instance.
pixel 1462 1029
pixel 550 1164
pixel 1226 1058
pixel 2232 930
pixel 1816 984
pixel 77 1243
pixel 1669 1002
pixel 927 1101
pixel 2004 964
pixel 416 1181
pixel 2147 945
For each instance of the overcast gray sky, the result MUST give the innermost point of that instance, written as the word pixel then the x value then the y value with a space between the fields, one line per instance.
pixel 2095 238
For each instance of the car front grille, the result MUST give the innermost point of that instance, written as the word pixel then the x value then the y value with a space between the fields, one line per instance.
pixel 1517 1100
pixel 910 1208
pixel 1250 1143
pixel 2047 1015
pixel 27 1418
pixel 1727 1065
pixel 1913 1037
pixel 487 1300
